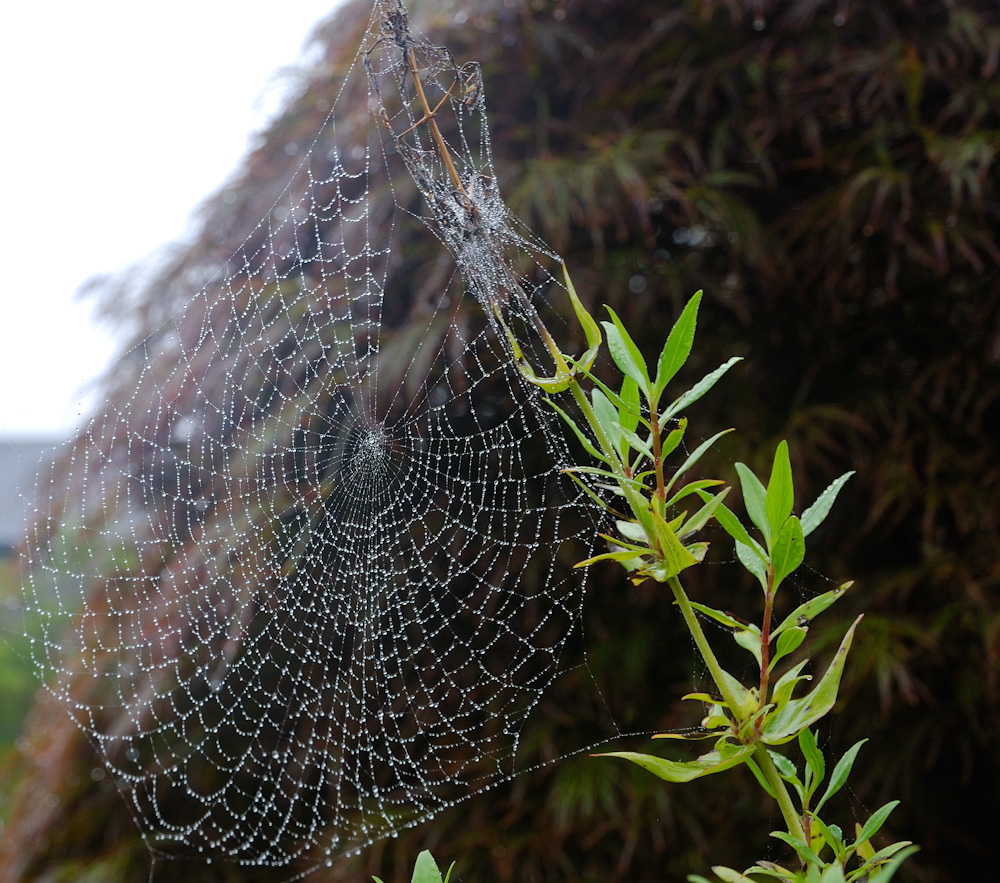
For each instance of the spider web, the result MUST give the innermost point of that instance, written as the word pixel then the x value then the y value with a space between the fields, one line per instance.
pixel 299 582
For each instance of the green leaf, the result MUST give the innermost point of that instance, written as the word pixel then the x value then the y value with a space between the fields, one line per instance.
pixel 604 473
pixel 622 556
pixel 700 518
pixel 632 530
pixel 675 557
pixel 754 495
pixel 788 642
pixel 718 615
pixel 630 407
pixel 728 875
pixel 588 445
pixel 677 771
pixel 840 773
pixel 786 722
pixel 786 769
pixel 750 560
pixel 698 390
pixel 788 551
pixel 786 684
pixel 695 455
pixel 833 874
pixel 799 846
pixel 625 353
pixel 426 870
pixel 607 415
pixel 900 852
pixel 590 329
pixel 734 527
pixel 814 516
pixel 669 444
pixel 761 778
pixel 587 490
pixel 695 487
pixel 877 820
pixel 779 499
pixel 749 642
pixel 631 440
pixel 815 761
pixel 678 346
pixel 805 613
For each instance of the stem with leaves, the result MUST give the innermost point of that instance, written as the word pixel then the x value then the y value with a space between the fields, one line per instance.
pixel 624 428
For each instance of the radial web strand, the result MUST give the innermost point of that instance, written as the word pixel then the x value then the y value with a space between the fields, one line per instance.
pixel 299 582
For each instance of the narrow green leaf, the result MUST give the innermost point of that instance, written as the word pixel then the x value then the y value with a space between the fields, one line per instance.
pixel 695 487
pixel 813 757
pixel 678 346
pixel 761 779
pixel 676 771
pixel 814 516
pixel 789 549
pixel 675 557
pixel 700 518
pixel 630 407
pixel 718 615
pixel 877 820
pixel 805 613
pixel 583 486
pixel 799 846
pixel 631 440
pixel 604 473
pixel 590 329
pixel 734 527
pixel 786 722
pixel 625 353
pixel 779 498
pixel 698 390
pixel 588 445
pixel 695 455
pixel 607 415
pixel 754 495
pixel 788 642
pixel 669 444
pixel 840 773
pixel 786 684
pixel 624 555
pixel 899 852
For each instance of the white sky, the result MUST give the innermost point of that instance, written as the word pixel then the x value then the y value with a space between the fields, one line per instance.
pixel 118 119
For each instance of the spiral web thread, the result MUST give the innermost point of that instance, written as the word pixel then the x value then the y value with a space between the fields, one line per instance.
pixel 300 585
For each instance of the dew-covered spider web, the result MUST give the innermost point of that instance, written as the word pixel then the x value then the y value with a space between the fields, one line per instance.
pixel 300 581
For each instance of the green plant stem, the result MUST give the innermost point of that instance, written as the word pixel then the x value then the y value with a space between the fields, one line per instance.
pixel 792 820
pixel 704 648
pixel 770 771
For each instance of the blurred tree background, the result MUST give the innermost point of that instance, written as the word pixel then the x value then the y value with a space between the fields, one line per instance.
pixel 827 171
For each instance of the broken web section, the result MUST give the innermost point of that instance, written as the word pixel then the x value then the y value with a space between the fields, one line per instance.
pixel 299 582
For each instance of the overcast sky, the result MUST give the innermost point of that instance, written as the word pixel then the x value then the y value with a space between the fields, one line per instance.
pixel 119 118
